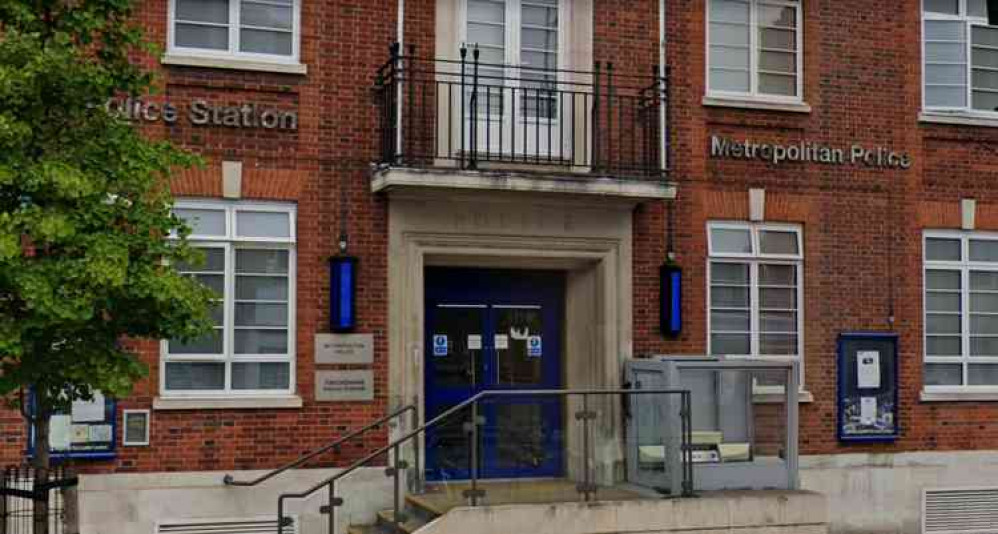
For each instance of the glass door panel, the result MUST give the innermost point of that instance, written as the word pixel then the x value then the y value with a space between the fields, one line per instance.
pixel 455 370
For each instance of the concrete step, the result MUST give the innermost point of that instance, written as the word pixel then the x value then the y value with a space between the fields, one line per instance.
pixel 412 523
pixel 364 529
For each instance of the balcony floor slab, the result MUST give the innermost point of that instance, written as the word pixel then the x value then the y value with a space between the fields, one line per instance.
pixel 390 179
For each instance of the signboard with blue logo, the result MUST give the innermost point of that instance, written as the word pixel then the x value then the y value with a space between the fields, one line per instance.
pixel 534 347
pixel 440 345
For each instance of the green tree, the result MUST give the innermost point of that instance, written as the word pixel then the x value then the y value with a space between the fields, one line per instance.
pixel 86 255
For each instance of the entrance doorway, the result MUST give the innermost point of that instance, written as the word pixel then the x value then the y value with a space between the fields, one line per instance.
pixel 487 330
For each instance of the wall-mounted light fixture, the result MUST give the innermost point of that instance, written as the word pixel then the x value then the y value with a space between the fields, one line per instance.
pixel 342 293
pixel 671 299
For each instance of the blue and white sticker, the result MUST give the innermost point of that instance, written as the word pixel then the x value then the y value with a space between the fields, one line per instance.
pixel 534 347
pixel 440 344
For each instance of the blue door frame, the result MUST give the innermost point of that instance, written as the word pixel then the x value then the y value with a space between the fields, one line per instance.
pixel 521 437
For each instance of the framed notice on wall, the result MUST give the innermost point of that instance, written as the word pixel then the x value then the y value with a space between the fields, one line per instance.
pixel 87 430
pixel 868 387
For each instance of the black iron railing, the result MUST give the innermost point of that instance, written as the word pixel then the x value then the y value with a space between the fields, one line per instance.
pixel 477 115
pixel 31 500
pixel 586 416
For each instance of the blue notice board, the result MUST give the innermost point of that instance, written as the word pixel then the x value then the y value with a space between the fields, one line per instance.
pixel 868 387
pixel 87 430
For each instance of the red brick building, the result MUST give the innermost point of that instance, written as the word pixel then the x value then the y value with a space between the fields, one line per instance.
pixel 826 168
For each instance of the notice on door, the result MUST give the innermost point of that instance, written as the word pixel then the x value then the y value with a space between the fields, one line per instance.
pixel 439 344
pixel 534 347
pixel 340 386
pixel 502 342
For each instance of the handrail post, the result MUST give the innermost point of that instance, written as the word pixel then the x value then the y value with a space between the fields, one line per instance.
pixel 332 507
pixel 397 76
pixel 409 78
pixel 473 158
pixel 397 518
pixel 280 515
pixel 588 487
pixel 474 452
pixel 609 114
pixel 594 163
pixel 687 418
pixel 418 467
pixel 464 114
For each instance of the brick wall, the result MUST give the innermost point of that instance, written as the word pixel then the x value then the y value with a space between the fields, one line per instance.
pixel 861 226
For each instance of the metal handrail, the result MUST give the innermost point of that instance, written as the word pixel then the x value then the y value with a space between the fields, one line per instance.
pixel 228 480
pixel 473 494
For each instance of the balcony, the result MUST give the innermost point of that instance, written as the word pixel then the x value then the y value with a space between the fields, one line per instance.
pixel 467 124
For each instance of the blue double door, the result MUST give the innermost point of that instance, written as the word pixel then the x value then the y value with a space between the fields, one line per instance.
pixel 494 330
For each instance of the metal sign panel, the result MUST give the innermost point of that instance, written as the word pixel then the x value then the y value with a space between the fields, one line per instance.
pixel 344 348
pixel 339 386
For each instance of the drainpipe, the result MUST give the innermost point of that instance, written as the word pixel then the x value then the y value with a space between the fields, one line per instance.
pixel 663 156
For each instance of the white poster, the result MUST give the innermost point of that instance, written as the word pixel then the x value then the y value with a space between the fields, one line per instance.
pixel 867 411
pixel 474 342
pixel 59 432
pixel 868 369
pixel 502 342
pixel 91 411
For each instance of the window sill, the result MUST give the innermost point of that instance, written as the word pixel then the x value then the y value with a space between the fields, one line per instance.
pixel 958 396
pixel 803 397
pixel 960 119
pixel 234 64
pixel 751 103
pixel 225 403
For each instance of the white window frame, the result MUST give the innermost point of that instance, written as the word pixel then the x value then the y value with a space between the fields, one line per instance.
pixel 231 242
pixel 755 258
pixel 126 414
pixel 969 23
pixel 964 266
pixel 753 93
pixel 233 27
pixel 513 29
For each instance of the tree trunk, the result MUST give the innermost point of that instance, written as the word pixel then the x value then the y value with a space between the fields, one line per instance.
pixel 41 463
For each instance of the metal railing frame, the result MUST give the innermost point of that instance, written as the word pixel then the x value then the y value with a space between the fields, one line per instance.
pixel 587 488
pixel 408 90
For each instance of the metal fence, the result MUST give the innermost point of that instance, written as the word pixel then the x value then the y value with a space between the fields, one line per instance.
pixel 23 488
pixel 476 115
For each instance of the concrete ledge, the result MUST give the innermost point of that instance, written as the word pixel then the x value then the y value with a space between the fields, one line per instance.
pixel 959 119
pixel 751 103
pixel 958 396
pixel 128 503
pixel 225 403
pixel 393 178
pixel 233 64
pixel 748 512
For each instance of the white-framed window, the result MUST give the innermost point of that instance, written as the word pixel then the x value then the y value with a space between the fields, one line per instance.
pixel 755 49
pixel 135 428
pixel 514 34
pixel 959 56
pixel 260 30
pixel 960 310
pixel 249 250
pixel 755 290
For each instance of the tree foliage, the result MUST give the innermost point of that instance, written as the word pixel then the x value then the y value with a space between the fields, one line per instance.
pixel 86 258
